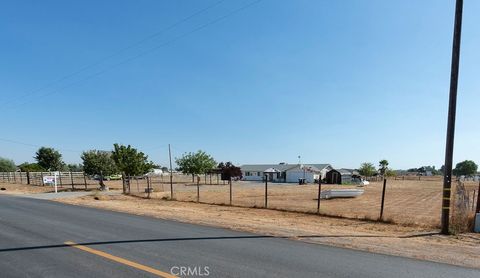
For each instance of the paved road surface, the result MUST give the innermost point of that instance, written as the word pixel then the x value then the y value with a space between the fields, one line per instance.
pixel 33 233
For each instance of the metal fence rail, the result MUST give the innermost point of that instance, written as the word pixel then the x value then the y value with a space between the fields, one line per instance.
pixel 75 180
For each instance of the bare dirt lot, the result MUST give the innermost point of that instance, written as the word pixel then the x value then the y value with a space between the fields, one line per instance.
pixel 407 202
pixel 24 189
pixel 416 242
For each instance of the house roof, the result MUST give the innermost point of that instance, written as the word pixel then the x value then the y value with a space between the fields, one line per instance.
pixel 321 166
pixel 345 171
pixel 280 167
pixel 263 167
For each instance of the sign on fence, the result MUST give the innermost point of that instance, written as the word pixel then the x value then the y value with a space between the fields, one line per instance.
pixel 49 180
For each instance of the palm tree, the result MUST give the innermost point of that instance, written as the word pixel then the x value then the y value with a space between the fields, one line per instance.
pixel 383 166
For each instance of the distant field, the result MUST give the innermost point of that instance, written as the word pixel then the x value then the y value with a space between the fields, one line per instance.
pixel 410 202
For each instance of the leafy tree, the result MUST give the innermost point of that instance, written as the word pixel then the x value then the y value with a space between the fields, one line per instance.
pixel 130 161
pixel 390 173
pixel 367 169
pixel 101 163
pixel 228 170
pixel 49 159
pixel 74 167
pixel 195 163
pixel 97 162
pixel 30 167
pixel 383 166
pixel 7 165
pixel 465 168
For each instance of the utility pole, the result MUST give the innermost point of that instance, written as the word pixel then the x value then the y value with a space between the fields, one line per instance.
pixel 171 172
pixel 452 107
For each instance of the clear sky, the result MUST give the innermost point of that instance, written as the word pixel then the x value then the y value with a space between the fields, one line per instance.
pixel 338 82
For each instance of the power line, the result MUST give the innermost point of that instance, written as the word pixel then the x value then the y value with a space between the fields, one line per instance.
pixel 141 54
pixel 116 53
pixel 37 146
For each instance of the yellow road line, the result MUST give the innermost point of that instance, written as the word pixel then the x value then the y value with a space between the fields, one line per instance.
pixel 120 260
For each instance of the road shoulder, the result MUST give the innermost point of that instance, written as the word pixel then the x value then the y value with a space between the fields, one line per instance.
pixel 412 242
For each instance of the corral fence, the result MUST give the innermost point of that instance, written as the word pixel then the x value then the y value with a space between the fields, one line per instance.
pixel 73 180
pixel 403 201
pixel 167 186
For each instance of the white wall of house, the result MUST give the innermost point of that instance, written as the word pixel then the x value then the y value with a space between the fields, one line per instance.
pixel 252 176
pixel 293 176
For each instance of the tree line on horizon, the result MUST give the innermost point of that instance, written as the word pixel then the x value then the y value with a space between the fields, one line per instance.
pixel 123 159
pixel 129 161
pixel 464 168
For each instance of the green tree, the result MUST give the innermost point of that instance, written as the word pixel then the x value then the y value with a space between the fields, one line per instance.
pixel 7 165
pixel 49 159
pixel 97 162
pixel 30 167
pixel 195 163
pixel 130 161
pixel 383 166
pixel 367 169
pixel 74 167
pixel 465 168
pixel 390 173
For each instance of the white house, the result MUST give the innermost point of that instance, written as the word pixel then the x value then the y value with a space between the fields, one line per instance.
pixel 285 172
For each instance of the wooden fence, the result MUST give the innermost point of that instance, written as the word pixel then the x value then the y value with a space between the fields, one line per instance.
pixel 64 179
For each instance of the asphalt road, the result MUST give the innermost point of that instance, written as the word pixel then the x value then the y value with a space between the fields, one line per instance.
pixel 33 233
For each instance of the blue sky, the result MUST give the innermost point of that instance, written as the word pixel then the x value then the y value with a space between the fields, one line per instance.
pixel 340 82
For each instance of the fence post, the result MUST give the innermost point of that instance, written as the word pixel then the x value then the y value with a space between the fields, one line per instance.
pixel 8 177
pixel 21 179
pixel 14 177
pixel 266 191
pixel 478 199
pixel 60 178
pixel 71 179
pixel 148 187
pixel 319 194
pixel 383 198
pixel 28 177
pixel 198 190
pixel 230 191
pixel 41 176
pixel 85 180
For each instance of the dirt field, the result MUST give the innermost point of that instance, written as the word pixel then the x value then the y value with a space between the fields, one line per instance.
pixel 408 202
pixel 414 242
pixel 24 189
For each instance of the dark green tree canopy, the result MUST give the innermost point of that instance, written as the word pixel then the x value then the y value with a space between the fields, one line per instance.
pixel 131 161
pixel 465 168
pixel 49 159
pixel 367 169
pixel 195 163
pixel 383 166
pixel 228 170
pixel 97 162
pixel 7 165
pixel 30 167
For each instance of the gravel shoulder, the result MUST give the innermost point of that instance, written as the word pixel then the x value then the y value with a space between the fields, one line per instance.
pixel 408 241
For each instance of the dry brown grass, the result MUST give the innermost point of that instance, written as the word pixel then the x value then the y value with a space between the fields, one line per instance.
pixel 407 202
